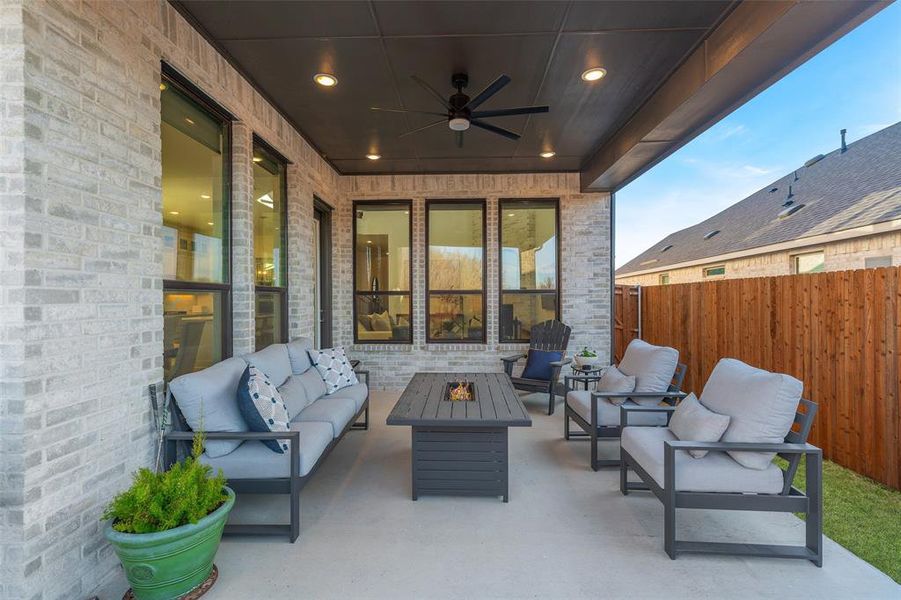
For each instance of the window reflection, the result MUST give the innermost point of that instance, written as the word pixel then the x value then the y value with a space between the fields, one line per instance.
pixel 192 331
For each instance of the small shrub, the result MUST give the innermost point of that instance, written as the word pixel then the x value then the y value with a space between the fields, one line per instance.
pixel 161 501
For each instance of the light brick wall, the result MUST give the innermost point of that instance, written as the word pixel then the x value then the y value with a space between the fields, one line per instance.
pixel 839 256
pixel 584 264
pixel 81 285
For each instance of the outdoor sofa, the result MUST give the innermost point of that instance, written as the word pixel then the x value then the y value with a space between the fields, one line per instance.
pixel 766 417
pixel 318 422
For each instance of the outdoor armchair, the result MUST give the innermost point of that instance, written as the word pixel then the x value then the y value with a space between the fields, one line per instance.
pixel 550 336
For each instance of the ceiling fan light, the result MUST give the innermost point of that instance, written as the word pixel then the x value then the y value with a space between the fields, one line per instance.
pixel 458 124
pixel 594 74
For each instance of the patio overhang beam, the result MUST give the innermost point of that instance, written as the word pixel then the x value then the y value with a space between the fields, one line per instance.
pixel 754 46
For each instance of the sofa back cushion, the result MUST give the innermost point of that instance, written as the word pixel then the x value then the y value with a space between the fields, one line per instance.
pixel 298 354
pixel 208 400
pixel 262 407
pixel 761 405
pixel 295 395
pixel 652 366
pixel 273 361
pixel 312 382
pixel 693 422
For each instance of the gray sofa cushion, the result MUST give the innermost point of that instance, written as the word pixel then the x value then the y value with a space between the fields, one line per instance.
pixel 692 422
pixel 615 381
pixel 356 392
pixel 336 411
pixel 297 353
pixel 312 383
pixel 608 413
pixel 295 395
pixel 652 366
pixel 208 401
pixel 716 472
pixel 253 460
pixel 273 361
pixel 762 406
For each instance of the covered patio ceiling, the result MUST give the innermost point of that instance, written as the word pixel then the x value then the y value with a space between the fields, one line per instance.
pixel 673 70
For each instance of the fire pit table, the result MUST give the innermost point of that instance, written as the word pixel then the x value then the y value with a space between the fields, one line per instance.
pixel 460 444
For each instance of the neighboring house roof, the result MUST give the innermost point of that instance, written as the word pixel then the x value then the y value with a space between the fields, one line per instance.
pixel 842 190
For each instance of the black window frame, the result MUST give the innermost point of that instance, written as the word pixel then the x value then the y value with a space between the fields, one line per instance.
pixel 483 292
pixel 408 206
pixel 176 80
pixel 259 142
pixel 502 203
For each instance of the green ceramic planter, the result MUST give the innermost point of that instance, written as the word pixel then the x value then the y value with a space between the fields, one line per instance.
pixel 169 564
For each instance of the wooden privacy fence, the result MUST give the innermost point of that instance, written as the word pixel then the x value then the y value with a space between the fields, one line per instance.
pixel 838 332
pixel 626 314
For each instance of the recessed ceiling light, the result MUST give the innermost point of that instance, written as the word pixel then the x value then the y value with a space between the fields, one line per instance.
pixel 205 196
pixel 257 159
pixel 173 212
pixel 594 74
pixel 325 79
pixel 373 156
pixel 548 154
pixel 209 223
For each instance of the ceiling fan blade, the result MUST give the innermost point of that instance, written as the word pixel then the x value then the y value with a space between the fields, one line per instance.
pixel 432 91
pixel 459 139
pixel 398 110
pixel 438 122
pixel 498 130
pixel 493 88
pixel 507 112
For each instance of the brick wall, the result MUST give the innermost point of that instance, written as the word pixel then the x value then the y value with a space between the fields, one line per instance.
pixel 81 336
pixel 841 255
pixel 584 264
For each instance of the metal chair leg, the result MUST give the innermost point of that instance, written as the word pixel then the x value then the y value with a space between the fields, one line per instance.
pixel 565 424
pixel 814 521
pixel 669 504
pixel 623 477
pixel 551 401
pixel 295 508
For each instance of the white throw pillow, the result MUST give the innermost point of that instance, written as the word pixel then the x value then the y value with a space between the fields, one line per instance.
pixel 693 422
pixel 613 381
pixel 762 406
pixel 334 368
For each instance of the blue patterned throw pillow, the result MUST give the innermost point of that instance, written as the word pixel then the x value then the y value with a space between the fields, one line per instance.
pixel 334 368
pixel 262 407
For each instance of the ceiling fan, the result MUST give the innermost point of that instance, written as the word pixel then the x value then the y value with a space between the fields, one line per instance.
pixel 460 109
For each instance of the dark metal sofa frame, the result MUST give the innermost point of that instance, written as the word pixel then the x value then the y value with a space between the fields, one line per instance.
pixel 291 485
pixel 595 431
pixel 550 336
pixel 790 499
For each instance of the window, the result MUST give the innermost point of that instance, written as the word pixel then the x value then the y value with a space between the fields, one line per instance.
pixel 270 243
pixel 664 279
pixel 196 201
pixel 874 262
pixel 382 272
pixel 455 271
pixel 812 262
pixel 529 240
pixel 717 271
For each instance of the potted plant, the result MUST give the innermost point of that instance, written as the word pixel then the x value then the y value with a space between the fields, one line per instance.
pixel 166 527
pixel 586 358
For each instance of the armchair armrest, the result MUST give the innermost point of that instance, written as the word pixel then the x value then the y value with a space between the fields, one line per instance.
pixel 678 395
pixel 626 410
pixel 293 438
pixel 512 359
pixel 561 362
pixel 364 373
pixel 784 447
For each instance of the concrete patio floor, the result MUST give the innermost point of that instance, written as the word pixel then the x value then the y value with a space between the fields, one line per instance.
pixel 566 533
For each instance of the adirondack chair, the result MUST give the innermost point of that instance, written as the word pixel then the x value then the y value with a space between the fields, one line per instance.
pixel 550 336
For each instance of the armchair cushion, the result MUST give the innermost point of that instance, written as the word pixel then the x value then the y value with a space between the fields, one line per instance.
pixel 692 422
pixel 298 354
pixel 273 361
pixel 608 413
pixel 262 407
pixel 652 366
pixel 761 405
pixel 615 381
pixel 207 400
pixel 538 364
pixel 716 472
pixel 334 368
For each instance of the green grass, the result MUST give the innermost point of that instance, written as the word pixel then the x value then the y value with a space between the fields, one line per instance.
pixel 861 515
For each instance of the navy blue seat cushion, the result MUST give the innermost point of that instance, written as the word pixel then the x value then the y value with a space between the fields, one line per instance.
pixel 262 406
pixel 538 364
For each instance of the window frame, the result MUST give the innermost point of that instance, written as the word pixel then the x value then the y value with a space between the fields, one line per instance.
pixel 706 270
pixel 500 262
pixel 408 205
pixel 793 265
pixel 660 278
pixel 281 290
pixel 483 292
pixel 174 79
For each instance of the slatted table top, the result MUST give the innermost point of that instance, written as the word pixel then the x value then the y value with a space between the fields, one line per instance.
pixel 496 403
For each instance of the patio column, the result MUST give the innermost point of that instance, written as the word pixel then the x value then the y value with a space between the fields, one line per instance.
pixel 242 240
